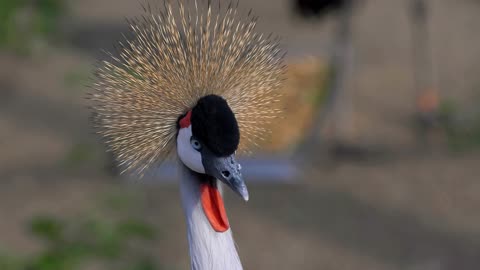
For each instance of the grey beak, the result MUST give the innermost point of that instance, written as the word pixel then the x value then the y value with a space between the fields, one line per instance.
pixel 225 169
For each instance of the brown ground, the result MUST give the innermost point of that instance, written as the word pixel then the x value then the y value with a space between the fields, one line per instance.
pixel 415 210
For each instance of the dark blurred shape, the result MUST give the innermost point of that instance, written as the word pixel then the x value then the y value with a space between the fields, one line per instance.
pixel 318 8
pixel 345 151
pixel 419 10
pixel 91 37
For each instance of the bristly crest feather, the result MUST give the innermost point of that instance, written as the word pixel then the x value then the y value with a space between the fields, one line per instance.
pixel 178 54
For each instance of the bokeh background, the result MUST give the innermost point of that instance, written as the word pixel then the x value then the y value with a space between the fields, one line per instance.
pixel 382 125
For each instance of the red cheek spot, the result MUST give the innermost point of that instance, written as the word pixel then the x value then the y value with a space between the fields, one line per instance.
pixel 185 121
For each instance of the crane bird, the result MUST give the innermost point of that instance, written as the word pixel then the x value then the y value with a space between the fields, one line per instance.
pixel 198 80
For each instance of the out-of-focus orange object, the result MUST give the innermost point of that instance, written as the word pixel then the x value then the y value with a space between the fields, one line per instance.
pixel 428 101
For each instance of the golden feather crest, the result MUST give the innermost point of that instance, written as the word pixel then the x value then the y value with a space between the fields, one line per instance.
pixel 178 54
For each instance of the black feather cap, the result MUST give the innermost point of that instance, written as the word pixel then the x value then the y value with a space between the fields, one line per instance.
pixel 215 125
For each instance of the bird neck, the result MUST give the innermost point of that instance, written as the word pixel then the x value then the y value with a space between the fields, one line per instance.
pixel 208 249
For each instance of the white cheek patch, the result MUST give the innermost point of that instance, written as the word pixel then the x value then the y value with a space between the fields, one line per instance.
pixel 188 155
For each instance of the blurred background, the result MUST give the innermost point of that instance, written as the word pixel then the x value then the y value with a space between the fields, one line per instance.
pixel 381 132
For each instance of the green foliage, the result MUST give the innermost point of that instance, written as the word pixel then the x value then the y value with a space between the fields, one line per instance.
pixel 121 201
pixel 48 13
pixel 462 134
pixel 116 242
pixel 320 96
pixel 24 21
pixel 47 228
pixel 8 8
pixel 77 78
pixel 80 153
pixel 9 263
pixel 83 155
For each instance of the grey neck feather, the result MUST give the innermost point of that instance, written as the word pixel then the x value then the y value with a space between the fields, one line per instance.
pixel 208 249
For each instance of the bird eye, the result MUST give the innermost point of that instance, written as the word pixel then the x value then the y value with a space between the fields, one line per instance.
pixel 195 143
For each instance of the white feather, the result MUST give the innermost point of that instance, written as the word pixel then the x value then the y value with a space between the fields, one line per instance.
pixel 209 250
pixel 188 155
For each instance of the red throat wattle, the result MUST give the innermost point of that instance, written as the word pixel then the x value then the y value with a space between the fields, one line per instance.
pixel 213 207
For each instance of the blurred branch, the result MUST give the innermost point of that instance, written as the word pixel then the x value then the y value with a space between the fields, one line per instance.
pixel 427 100
pixel 334 113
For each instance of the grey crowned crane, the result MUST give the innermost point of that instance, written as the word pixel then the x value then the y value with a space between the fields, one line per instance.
pixel 198 80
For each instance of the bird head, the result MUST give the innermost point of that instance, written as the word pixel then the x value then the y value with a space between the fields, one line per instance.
pixel 207 140
pixel 169 83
